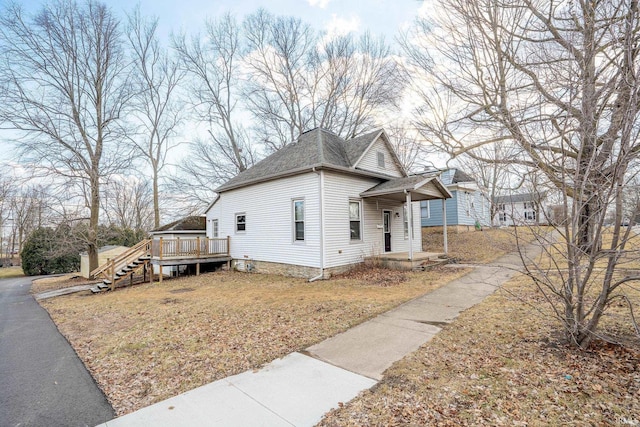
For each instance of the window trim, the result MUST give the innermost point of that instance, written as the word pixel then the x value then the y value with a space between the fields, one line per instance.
pixel 239 214
pixel 380 159
pixel 294 221
pixel 359 220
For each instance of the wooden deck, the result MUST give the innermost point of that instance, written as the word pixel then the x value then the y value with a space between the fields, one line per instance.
pixel 171 252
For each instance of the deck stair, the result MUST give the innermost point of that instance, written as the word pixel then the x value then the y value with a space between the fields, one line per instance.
pixel 131 266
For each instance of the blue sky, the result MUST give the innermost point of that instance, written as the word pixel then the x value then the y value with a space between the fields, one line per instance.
pixel 384 17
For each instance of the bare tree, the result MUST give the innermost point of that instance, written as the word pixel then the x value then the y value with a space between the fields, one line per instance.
pixel 128 203
pixel 359 77
pixel 559 80
pixel 409 147
pixel 157 111
pixel 213 64
pixel 7 191
pixel 63 74
pixel 299 80
pixel 485 164
pixel 26 209
pixel 278 52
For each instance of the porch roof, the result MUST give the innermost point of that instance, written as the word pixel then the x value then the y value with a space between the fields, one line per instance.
pixel 421 187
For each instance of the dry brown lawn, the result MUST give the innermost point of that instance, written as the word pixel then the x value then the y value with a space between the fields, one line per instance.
pixel 59 282
pixel 149 342
pixel 504 363
pixel 479 246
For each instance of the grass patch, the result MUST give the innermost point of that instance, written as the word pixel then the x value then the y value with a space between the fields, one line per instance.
pixel 11 272
pixel 146 343
pixel 479 246
pixel 502 362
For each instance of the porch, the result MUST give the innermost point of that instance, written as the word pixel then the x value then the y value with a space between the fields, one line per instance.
pixel 407 261
pixel 406 190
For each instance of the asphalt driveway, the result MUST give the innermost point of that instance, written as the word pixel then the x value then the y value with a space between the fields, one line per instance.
pixel 42 380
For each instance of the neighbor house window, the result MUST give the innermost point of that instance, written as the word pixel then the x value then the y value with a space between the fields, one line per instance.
pixel 214 228
pixel 298 220
pixel 425 210
pixel 355 219
pixel 502 216
pixel 380 159
pixel 530 215
pixel 241 223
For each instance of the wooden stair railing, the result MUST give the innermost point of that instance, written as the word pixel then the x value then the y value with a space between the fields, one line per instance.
pixel 109 270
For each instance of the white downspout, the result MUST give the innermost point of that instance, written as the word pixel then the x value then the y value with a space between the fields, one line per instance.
pixel 410 225
pixel 321 188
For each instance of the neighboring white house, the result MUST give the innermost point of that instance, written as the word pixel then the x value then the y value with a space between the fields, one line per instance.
pixel 320 205
pixel 189 227
pixel 521 209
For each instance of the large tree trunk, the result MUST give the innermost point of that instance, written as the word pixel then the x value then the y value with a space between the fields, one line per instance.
pixel 92 236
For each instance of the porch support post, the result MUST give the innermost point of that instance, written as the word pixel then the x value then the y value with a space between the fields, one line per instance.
pixel 410 224
pixel 444 225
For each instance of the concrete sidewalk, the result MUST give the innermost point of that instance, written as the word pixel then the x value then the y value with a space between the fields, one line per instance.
pixel 299 389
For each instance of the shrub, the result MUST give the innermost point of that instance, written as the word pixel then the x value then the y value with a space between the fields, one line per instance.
pixel 48 251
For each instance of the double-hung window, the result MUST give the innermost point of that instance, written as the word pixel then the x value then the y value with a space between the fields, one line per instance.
pixel 241 223
pixel 298 220
pixel 405 220
pixel 355 219
pixel 425 209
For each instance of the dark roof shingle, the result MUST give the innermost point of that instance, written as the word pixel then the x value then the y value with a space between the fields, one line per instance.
pixel 314 148
pixel 195 223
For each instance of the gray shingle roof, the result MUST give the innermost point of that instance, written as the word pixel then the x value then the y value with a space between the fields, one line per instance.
pixel 409 183
pixel 518 198
pixel 455 176
pixel 460 176
pixel 399 184
pixel 314 148
pixel 195 223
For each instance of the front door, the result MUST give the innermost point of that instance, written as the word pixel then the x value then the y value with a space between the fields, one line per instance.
pixel 386 230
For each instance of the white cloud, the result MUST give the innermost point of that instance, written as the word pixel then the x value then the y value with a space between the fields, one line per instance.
pixel 322 4
pixel 342 26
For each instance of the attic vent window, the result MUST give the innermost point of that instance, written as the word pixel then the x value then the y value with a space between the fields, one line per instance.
pixel 380 159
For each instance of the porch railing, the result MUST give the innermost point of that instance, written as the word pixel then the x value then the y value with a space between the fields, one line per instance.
pixel 196 247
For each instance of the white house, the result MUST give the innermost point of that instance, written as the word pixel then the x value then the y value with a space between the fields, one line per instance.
pixel 187 228
pixel 320 205
pixel 521 209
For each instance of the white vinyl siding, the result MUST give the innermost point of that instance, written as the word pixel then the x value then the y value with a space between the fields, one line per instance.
pixel 370 160
pixel 339 248
pixel 268 235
